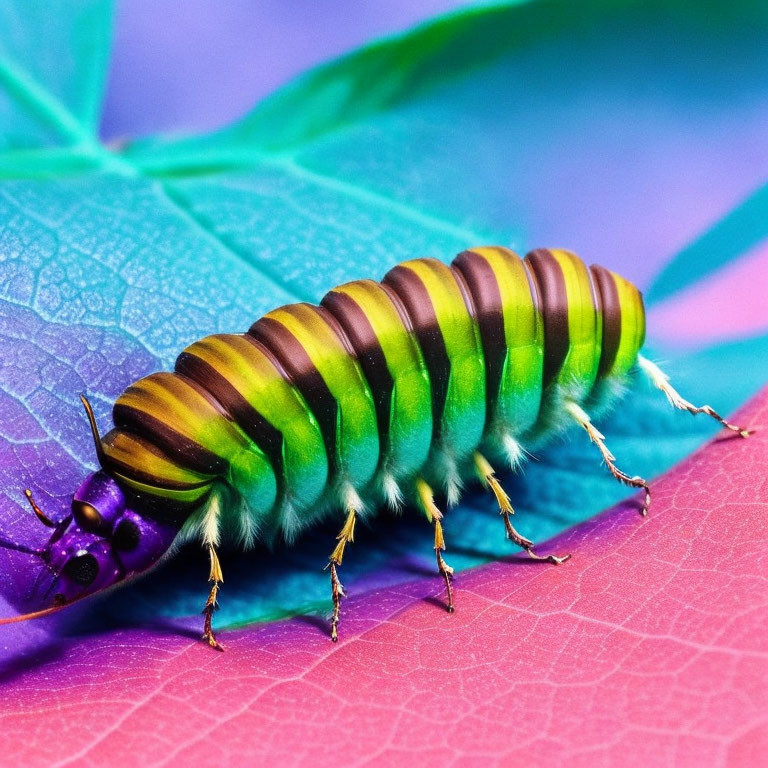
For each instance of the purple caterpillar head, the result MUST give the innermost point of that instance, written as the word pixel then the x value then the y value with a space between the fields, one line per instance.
pixel 101 543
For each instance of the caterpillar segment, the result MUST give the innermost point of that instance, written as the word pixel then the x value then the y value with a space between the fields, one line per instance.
pixel 381 334
pixel 442 317
pixel 382 393
pixel 507 304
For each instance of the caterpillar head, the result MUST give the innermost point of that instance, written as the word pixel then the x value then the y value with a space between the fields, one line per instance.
pixel 102 542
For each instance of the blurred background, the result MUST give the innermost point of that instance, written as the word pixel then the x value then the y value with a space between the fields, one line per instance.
pixel 197 65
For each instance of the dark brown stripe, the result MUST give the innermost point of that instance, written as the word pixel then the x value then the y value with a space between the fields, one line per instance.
pixel 167 511
pixel 418 304
pixel 140 475
pixel 489 314
pixel 371 356
pixel 303 374
pixel 554 303
pixel 237 408
pixel 611 307
pixel 183 451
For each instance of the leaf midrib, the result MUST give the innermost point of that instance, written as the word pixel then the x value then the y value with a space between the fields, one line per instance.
pixel 42 104
pixel 83 147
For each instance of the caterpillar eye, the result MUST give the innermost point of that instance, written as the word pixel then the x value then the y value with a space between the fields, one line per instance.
pixel 87 516
pixel 126 536
pixel 82 569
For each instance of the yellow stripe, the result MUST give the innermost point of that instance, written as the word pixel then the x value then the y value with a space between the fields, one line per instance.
pixel 249 370
pixel 173 401
pixel 185 496
pixel 336 365
pixel 253 374
pixel 131 451
pixel 448 303
pixel 465 403
pixel 585 323
pixel 632 324
pixel 519 396
pixel 400 350
pixel 357 437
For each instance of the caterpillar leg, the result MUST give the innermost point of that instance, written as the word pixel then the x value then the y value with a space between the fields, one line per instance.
pixel 211 604
pixel 582 419
pixel 434 515
pixel 488 478
pixel 660 380
pixel 346 536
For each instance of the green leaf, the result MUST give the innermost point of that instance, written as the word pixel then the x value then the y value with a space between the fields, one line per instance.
pixel 405 68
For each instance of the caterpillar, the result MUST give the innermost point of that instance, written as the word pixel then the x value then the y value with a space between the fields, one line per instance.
pixel 382 393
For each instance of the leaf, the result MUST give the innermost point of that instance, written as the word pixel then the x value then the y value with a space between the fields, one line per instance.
pixel 649 647
pixel 687 317
pixel 50 95
pixel 199 70
pixel 737 233
pixel 470 129
pixel 495 125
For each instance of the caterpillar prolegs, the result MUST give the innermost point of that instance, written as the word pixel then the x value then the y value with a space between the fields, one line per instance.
pixel 385 393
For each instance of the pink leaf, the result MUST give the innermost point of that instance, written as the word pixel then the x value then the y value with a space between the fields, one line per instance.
pixel 687 317
pixel 649 647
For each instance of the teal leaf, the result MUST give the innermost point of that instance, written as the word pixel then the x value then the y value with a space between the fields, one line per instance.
pixel 500 124
pixel 53 63
pixel 734 235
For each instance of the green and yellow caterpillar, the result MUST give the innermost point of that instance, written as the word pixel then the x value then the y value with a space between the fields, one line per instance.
pixel 378 395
